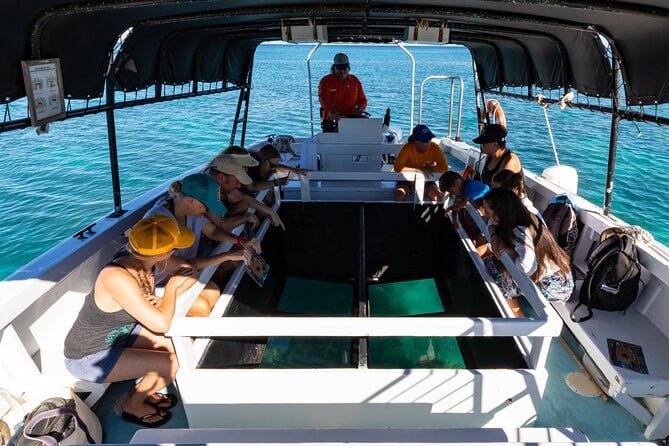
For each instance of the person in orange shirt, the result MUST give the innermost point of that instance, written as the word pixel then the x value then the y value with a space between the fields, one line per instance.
pixel 420 154
pixel 340 93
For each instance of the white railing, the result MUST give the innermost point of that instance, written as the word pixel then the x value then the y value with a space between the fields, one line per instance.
pixel 528 288
pixel 533 333
pixel 307 181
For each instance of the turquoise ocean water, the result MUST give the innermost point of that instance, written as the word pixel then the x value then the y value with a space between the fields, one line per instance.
pixel 53 185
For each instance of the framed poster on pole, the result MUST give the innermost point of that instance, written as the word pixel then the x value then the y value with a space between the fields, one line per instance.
pixel 44 89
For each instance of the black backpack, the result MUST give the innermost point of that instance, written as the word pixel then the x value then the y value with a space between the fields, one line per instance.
pixel 614 273
pixel 560 219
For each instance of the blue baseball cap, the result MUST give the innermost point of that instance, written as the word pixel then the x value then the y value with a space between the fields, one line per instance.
pixel 204 188
pixel 422 133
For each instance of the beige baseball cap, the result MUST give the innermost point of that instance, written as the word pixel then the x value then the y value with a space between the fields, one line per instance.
pixel 245 159
pixel 228 164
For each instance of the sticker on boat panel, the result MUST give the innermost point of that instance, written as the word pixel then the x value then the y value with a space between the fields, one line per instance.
pixel 359 158
pixel 627 355
pixel 258 269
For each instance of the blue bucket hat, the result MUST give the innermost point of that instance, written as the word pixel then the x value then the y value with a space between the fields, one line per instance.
pixel 205 189
pixel 422 133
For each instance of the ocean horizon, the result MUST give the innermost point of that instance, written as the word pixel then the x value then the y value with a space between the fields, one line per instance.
pixel 56 184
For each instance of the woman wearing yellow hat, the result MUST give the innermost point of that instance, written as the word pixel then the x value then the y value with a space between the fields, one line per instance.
pixel 118 334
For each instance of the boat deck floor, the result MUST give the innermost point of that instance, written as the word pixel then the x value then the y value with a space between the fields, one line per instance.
pixel 600 420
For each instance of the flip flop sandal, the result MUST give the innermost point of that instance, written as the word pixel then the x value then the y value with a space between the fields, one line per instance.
pixel 166 401
pixel 127 416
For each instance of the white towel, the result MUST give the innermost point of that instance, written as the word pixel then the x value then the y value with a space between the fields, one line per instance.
pixel 308 155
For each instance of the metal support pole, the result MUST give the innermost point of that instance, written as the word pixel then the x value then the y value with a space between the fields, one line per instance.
pixel 311 96
pixel 113 155
pixel 480 98
pixel 247 100
pixel 243 101
pixel 413 81
pixel 613 140
pixel 362 309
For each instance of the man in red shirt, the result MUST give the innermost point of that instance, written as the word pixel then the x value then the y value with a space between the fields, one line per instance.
pixel 340 93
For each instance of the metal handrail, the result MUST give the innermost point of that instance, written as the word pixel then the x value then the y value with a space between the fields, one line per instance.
pixel 450 107
pixel 413 80
pixel 311 96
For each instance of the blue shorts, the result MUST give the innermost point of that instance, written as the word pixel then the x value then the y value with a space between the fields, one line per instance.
pixel 97 366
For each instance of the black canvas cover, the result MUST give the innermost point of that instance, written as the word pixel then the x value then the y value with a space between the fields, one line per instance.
pixel 545 43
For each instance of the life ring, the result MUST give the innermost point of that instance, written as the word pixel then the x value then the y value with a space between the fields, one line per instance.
pixel 495 112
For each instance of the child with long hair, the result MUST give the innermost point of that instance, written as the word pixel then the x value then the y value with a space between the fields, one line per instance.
pixel 515 182
pixel 535 252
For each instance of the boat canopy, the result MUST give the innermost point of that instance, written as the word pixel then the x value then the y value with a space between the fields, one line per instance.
pixel 537 44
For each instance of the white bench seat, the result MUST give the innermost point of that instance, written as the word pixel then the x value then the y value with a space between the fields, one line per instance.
pixel 632 327
pixel 50 331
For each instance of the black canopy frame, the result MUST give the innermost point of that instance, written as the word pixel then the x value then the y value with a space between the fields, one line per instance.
pixel 561 38
pixel 600 49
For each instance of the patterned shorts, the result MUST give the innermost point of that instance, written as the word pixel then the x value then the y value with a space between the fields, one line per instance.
pixel 556 287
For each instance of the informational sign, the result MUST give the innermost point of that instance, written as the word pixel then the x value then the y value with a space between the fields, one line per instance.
pixel 44 89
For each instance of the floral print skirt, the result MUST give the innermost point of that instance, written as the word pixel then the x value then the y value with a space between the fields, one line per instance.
pixel 556 287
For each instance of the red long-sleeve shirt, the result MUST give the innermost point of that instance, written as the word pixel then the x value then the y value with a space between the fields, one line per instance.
pixel 343 96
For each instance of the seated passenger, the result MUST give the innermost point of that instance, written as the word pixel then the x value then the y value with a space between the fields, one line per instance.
pixel 241 155
pixel 535 252
pixel 466 191
pixel 230 175
pixel 189 200
pixel 515 182
pixel 119 332
pixel 266 163
pixel 269 163
pixel 498 157
pixel 420 154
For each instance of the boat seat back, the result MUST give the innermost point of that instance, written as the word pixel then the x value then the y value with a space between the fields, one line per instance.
pixel 49 332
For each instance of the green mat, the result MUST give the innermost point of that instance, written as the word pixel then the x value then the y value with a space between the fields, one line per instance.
pixel 282 352
pixel 415 353
pixel 405 298
pixel 410 298
pixel 314 297
pixel 307 296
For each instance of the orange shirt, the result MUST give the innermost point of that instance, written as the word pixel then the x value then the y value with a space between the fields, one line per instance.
pixel 410 157
pixel 343 96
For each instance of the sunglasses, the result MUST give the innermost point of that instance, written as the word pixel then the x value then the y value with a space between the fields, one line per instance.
pixel 342 66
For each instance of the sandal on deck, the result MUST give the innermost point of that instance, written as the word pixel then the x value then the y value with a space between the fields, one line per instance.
pixel 163 401
pixel 127 416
